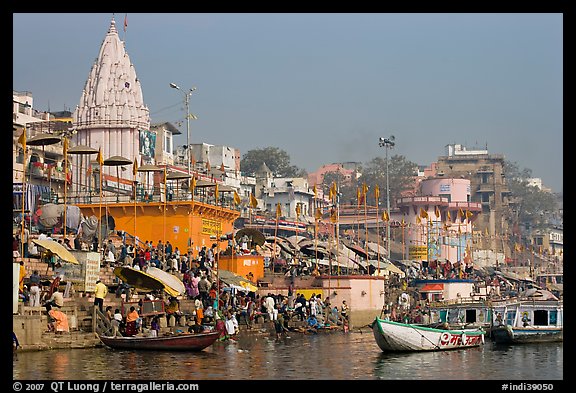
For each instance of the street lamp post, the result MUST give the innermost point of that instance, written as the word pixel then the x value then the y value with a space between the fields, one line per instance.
pixel 387 143
pixel 187 103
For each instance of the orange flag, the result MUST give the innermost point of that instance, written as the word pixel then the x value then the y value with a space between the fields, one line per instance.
pixel 315 191
pixel 253 201
pixel 448 217
pixel 423 213
pixel 437 212
pixel 135 167
pixel 318 214
pixel 278 210
pixel 298 210
pixel 99 157
pixel 22 139
pixel 385 216
pixel 237 199
pixel 376 193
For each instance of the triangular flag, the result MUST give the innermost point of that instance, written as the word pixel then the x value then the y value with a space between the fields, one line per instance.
pixel 448 217
pixel 298 210
pixel 253 201
pixel 278 210
pixel 385 216
pixel 65 146
pixel 192 184
pixel 315 191
pixel 358 196
pixel 333 215
pixel 437 212
pixel 99 157
pixel 216 192
pixel 376 193
pixel 469 214
pixel 418 220
pixel 423 213
pixel 318 214
pixel 135 167
pixel 460 213
pixel 22 139
pixel 237 199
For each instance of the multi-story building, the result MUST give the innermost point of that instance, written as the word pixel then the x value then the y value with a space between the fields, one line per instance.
pixel 487 187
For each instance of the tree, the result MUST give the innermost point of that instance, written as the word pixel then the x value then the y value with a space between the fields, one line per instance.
pixel 401 171
pixel 530 205
pixel 275 158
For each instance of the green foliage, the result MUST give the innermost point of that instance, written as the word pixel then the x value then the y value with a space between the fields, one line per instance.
pixel 275 158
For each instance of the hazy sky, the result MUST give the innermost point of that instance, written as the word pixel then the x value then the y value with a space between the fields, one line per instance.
pixel 325 87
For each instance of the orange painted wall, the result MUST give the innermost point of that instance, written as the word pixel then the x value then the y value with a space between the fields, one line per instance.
pixel 243 264
pixel 176 226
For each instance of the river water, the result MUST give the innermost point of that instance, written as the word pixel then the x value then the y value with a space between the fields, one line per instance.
pixel 326 356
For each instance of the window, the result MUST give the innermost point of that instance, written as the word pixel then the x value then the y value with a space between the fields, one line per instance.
pixel 168 142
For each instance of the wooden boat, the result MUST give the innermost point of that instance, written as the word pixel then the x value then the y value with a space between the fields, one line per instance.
pixel 523 320
pixel 178 342
pixel 462 314
pixel 402 337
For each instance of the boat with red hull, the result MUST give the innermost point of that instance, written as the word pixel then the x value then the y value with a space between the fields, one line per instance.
pixel 178 342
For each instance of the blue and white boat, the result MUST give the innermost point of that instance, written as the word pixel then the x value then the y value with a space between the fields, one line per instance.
pixel 534 317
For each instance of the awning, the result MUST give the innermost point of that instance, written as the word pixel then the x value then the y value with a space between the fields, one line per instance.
pixel 432 288
pixel 237 280
pixel 169 279
pixel 57 249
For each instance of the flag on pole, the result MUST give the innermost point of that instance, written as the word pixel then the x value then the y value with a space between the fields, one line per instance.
pixel 333 215
pixel 315 191
pixel 437 212
pixel 278 210
pixel 469 214
pixel 22 139
pixel 65 146
pixel 460 213
pixel 423 213
pixel 135 167
pixel 358 196
pixel 237 199
pixel 192 184
pixel 298 210
pixel 418 220
pixel 318 214
pixel 448 217
pixel 376 193
pixel 385 216
pixel 253 201
pixel 125 22
pixel 99 157
pixel 216 192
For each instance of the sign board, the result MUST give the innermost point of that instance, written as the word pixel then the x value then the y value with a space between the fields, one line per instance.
pixel 417 253
pixel 211 227
pixel 85 274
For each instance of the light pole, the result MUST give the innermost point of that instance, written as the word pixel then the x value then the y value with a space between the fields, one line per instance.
pixel 387 143
pixel 187 102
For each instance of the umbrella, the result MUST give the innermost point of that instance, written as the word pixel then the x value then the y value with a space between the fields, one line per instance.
pixel 169 279
pixel 117 161
pixel 57 249
pixel 43 140
pixel 232 278
pixel 257 236
pixel 358 250
pixel 177 176
pixel 80 149
pixel 142 280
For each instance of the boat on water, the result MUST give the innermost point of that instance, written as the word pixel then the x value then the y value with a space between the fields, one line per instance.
pixel 528 319
pixel 176 342
pixel 462 314
pixel 403 337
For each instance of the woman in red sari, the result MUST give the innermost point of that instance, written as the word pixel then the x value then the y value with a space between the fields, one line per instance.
pixel 131 319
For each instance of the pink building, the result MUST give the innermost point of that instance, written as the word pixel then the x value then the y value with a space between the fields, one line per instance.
pixel 438 222
pixel 318 176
